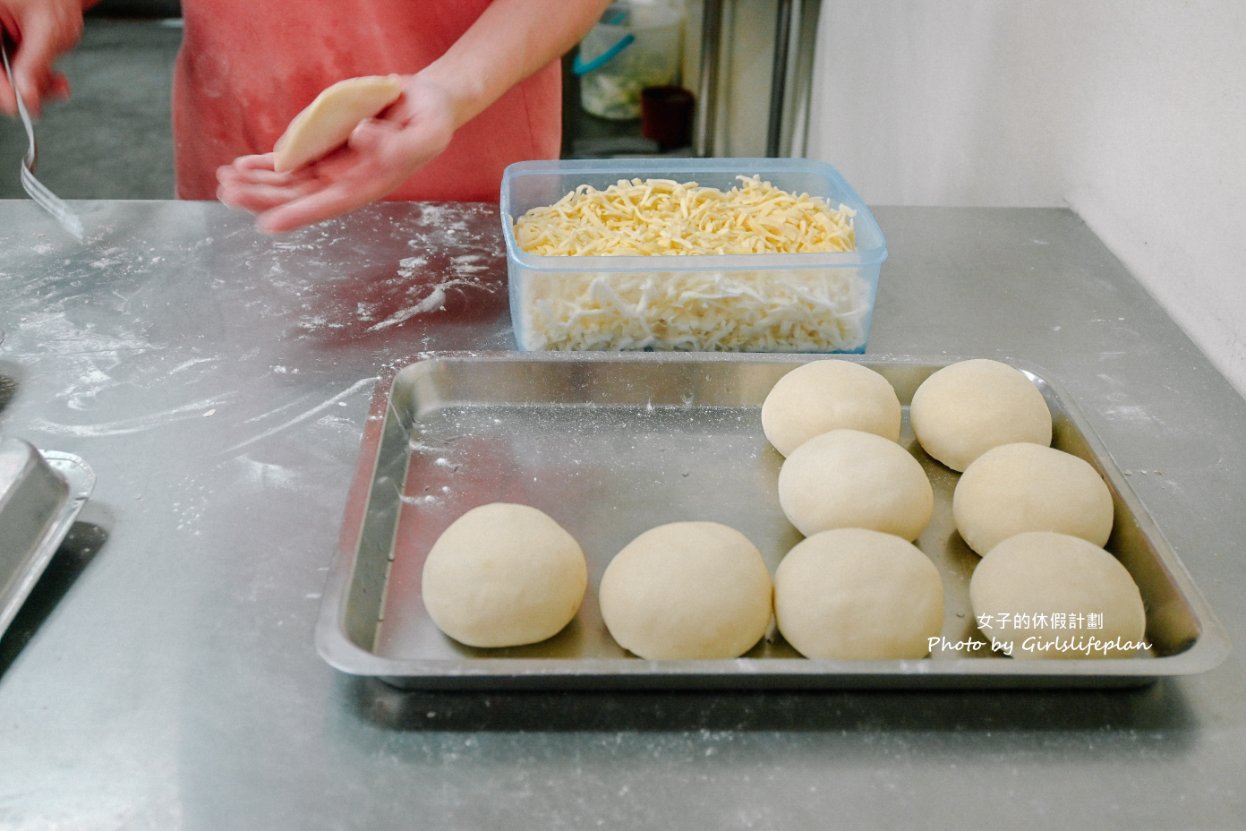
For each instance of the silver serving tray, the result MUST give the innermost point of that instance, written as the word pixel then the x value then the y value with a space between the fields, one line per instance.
pixel 40 495
pixel 611 444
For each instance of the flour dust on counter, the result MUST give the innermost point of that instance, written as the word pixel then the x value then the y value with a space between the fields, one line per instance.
pixel 104 358
pixel 317 409
pixel 448 264
pixel 431 276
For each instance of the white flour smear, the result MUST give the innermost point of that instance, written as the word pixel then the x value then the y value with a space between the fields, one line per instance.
pixel 1131 413
pixel 135 424
pixel 407 266
pixel 265 475
pixel 463 270
pixel 469 264
pixel 92 358
pixel 434 300
pixel 365 383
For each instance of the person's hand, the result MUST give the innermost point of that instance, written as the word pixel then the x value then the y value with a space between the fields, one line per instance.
pixel 42 31
pixel 380 155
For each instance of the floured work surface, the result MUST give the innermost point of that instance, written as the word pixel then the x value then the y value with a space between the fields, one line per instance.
pixel 612 444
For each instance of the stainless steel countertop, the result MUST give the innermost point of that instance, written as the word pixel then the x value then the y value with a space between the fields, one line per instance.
pixel 163 674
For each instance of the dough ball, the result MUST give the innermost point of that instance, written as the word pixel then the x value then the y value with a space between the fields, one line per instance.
pixel 858 594
pixel 687 590
pixel 851 479
pixel 1029 487
pixel 1051 595
pixel 327 122
pixel 826 395
pixel 966 408
pixel 503 575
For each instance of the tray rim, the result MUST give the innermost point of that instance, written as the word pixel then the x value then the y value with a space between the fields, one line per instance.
pixel 1207 652
pixel 79 479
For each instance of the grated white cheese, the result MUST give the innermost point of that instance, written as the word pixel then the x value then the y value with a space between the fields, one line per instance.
pixel 799 309
pixel 792 311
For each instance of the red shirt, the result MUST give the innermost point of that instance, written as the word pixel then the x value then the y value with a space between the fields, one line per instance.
pixel 246 68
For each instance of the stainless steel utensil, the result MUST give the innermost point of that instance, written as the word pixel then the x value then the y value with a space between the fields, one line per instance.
pixel 38 192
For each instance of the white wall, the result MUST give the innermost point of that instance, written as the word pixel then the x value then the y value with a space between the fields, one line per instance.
pixel 1130 112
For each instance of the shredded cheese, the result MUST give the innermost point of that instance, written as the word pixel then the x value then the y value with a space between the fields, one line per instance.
pixel 797 309
pixel 665 217
pixel 697 311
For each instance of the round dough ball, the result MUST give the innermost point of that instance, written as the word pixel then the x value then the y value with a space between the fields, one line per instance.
pixel 826 395
pixel 858 594
pixel 966 408
pixel 1050 595
pixel 1029 487
pixel 503 575
pixel 687 590
pixel 851 479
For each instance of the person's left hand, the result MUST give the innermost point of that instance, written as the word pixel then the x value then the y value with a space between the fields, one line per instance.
pixel 380 155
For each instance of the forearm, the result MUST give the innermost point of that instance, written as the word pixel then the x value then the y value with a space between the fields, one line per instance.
pixel 11 12
pixel 511 40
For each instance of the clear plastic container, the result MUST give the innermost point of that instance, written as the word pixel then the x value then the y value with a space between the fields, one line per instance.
pixel 633 46
pixel 818 302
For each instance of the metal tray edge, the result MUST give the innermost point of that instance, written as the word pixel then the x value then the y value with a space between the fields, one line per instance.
pixel 80 479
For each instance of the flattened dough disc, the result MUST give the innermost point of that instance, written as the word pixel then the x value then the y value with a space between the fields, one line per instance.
pixel 327 122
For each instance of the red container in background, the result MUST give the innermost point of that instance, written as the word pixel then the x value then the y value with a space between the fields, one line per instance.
pixel 666 116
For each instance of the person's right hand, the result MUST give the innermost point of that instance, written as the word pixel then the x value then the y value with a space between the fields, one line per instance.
pixel 381 154
pixel 37 33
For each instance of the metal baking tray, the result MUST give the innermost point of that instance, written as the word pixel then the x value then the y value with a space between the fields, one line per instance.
pixel 611 444
pixel 40 495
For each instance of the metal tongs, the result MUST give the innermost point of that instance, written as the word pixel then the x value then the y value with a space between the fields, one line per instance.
pixel 38 192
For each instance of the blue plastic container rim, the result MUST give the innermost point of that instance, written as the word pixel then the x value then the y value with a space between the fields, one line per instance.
pixel 685 169
pixel 581 68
